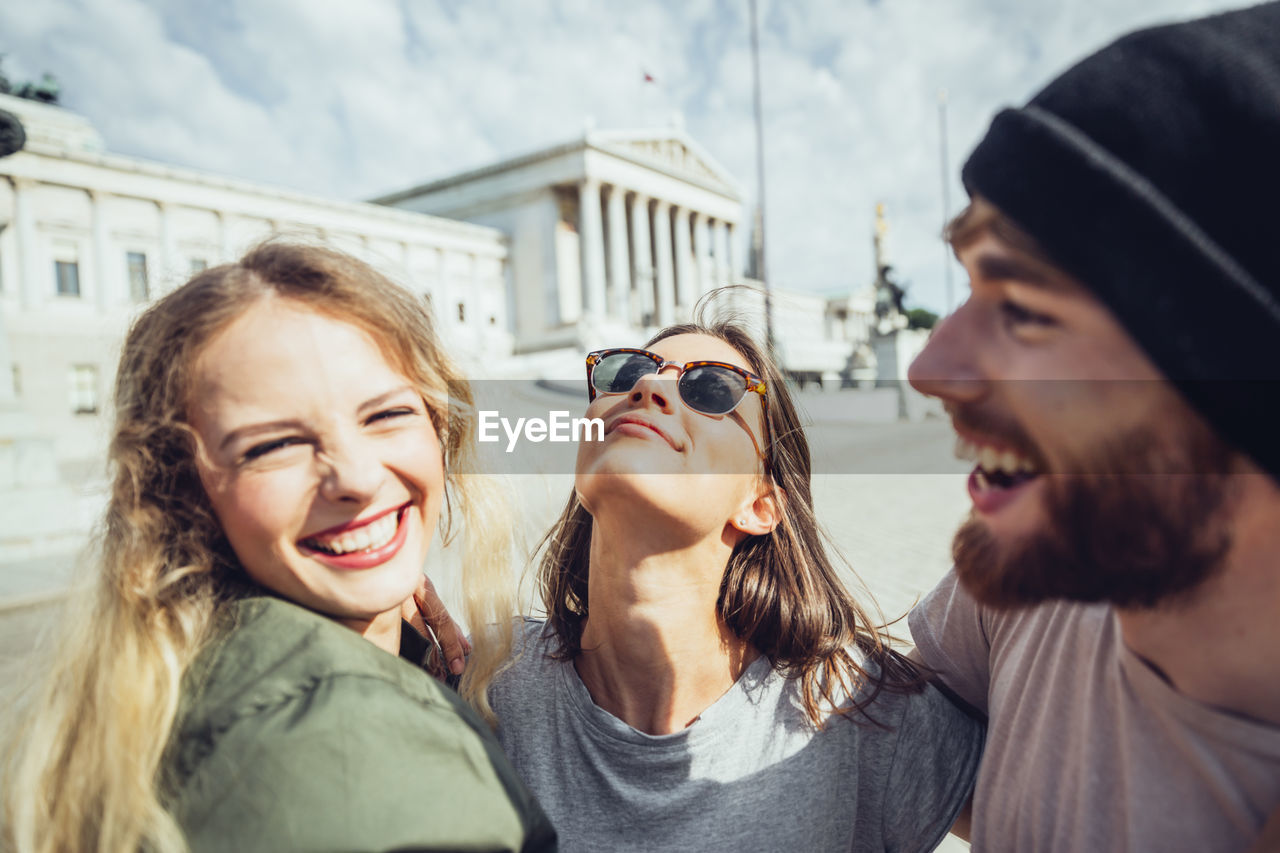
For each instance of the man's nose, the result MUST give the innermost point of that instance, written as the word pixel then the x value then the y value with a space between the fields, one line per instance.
pixel 947 367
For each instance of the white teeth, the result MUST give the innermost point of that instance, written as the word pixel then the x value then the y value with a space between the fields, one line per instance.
pixel 991 460
pixel 980 479
pixel 365 538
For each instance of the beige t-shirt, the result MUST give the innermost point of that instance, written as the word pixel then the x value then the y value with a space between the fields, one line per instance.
pixel 1088 748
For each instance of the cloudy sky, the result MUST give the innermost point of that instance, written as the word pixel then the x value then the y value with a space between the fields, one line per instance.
pixel 354 98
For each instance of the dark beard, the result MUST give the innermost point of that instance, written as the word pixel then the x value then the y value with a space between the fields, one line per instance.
pixel 1149 527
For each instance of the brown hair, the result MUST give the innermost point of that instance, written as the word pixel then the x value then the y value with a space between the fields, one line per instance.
pixel 85 760
pixel 780 592
pixel 980 217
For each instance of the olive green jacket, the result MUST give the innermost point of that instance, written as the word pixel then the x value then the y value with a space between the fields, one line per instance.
pixel 295 733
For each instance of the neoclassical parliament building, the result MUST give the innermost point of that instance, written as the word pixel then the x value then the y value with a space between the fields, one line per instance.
pixel 529 263
pixel 609 233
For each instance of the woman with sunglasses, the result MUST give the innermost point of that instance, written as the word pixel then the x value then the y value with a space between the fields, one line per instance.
pixel 703 679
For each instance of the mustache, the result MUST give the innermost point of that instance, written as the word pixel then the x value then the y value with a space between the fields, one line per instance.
pixel 986 426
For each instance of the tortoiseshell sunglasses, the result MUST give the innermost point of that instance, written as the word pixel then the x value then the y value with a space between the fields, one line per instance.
pixel 709 387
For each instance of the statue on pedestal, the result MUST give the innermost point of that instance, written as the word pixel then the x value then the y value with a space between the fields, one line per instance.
pixel 12 136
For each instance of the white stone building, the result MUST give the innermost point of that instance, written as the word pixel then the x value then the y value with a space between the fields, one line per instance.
pixel 611 234
pixel 87 238
pixel 528 263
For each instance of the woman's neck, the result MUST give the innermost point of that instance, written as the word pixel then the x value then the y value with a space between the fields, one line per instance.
pixel 382 630
pixel 655 653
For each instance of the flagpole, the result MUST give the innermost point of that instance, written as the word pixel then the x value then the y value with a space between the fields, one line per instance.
pixel 758 244
pixel 645 79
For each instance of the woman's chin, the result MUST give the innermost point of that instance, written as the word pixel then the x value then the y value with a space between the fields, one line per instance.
pixel 630 478
pixel 643 502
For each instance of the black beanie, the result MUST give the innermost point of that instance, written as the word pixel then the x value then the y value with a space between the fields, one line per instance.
pixel 1151 172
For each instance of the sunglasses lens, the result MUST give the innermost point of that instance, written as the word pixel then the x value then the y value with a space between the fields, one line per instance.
pixel 712 390
pixel 618 373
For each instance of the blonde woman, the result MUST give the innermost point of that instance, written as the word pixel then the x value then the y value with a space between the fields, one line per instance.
pixel 703 680
pixel 235 675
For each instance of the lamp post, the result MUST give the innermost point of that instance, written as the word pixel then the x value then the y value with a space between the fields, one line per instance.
pixel 12 138
pixel 758 244
pixel 946 192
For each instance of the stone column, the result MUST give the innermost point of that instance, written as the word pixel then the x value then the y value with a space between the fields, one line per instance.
pixel 8 397
pixel 476 299
pixel 735 268
pixel 702 255
pixel 666 296
pixel 643 272
pixel 224 239
pixel 404 257
pixel 103 280
pixel 619 256
pixel 170 272
pixel 685 282
pixel 721 234
pixel 438 290
pixel 591 237
pixel 34 285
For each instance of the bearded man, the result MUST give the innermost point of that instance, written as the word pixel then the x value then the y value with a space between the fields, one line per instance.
pixel 1114 609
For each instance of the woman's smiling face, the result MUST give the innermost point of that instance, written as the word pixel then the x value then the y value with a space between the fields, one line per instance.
pixel 319 458
pixel 656 449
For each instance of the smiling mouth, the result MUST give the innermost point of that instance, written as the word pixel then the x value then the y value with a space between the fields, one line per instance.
pixel 366 538
pixel 996 468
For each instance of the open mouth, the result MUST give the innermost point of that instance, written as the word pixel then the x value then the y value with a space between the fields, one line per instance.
pixel 998 475
pixel 368 538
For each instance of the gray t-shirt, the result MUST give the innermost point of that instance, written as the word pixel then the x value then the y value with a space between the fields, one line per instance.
pixel 749 774
pixel 1088 748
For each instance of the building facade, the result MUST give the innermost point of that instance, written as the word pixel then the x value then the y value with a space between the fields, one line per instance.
pixel 528 263
pixel 612 234
pixel 88 238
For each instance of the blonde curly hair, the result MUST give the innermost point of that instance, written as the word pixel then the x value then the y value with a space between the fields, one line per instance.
pixel 84 763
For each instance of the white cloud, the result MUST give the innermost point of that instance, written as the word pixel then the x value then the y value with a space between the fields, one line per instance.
pixel 355 99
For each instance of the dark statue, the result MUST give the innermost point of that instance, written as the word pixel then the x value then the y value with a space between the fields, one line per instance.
pixel 12 136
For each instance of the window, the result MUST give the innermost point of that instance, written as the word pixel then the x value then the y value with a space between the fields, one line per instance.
pixel 462 312
pixel 84 389
pixel 139 289
pixel 198 265
pixel 67 274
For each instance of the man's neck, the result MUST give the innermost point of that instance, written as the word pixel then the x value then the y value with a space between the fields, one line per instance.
pixel 1221 645
pixel 654 651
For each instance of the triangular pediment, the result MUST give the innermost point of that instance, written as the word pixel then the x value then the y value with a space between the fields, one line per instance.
pixel 673 152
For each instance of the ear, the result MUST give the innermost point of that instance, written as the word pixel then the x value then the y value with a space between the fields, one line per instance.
pixel 759 516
